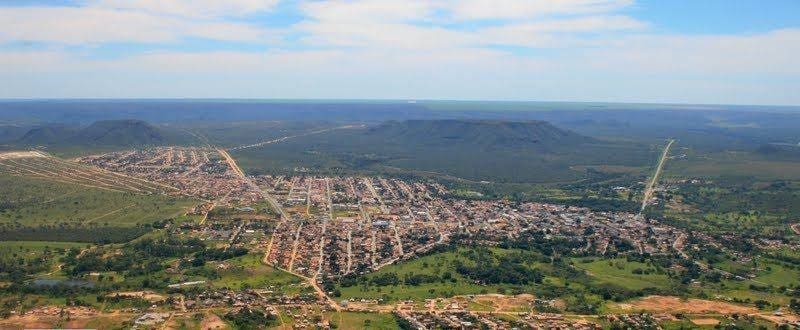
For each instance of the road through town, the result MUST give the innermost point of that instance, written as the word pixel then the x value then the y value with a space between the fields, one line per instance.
pixel 648 191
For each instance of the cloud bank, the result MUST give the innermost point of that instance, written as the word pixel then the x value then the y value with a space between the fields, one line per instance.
pixel 576 50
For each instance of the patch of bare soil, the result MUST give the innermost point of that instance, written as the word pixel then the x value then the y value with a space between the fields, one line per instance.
pixel 662 304
pixel 20 154
pixel 212 321
pixel 705 321
pixel 26 322
pixel 146 295
pixel 781 319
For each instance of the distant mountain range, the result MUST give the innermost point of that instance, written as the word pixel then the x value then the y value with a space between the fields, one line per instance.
pixel 491 150
pixel 709 127
pixel 107 133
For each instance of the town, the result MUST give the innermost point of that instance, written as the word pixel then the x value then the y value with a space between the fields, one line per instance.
pixel 335 226
pixel 324 228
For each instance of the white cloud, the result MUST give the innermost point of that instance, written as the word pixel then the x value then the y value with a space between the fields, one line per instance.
pixel 393 49
pixel 190 8
pixel 423 24
pixel 443 10
pixel 382 35
pixel 90 25
pixel 557 33
pixel 347 23
pixel 773 52
pixel 358 11
pixel 526 9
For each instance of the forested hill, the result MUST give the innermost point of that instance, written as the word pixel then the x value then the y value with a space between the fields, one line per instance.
pixel 50 134
pixel 121 132
pixel 107 133
pixel 477 134
pixel 479 150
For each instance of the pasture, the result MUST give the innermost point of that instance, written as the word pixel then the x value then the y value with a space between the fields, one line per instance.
pixel 622 272
pixel 34 202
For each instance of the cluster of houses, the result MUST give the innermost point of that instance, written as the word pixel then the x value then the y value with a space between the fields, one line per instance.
pixel 333 226
pixel 323 227
pixel 197 172
pixel 460 318
pixel 342 225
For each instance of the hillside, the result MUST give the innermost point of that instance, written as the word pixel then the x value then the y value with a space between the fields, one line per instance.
pixel 11 132
pixel 46 135
pixel 120 132
pixel 107 133
pixel 477 133
pixel 491 150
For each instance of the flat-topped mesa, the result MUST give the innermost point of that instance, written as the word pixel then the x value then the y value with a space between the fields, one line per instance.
pixel 480 133
pixel 106 133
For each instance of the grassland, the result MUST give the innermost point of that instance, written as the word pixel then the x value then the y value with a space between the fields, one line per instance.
pixel 31 202
pixel 621 272
pixel 26 246
pixel 353 320
pixel 34 250
pixel 34 257
pixel 429 265
pixel 249 272
pixel 450 283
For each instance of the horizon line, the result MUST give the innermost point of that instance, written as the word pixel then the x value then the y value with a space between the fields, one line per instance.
pixel 393 100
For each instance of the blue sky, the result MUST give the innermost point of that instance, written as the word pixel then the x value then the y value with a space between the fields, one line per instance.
pixel 678 51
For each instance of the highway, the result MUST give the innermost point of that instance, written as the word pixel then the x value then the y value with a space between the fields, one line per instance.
pixel 648 191
pixel 261 144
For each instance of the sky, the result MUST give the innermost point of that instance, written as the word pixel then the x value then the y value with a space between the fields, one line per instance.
pixel 655 51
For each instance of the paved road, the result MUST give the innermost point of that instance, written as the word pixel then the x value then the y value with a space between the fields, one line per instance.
pixel 232 163
pixel 648 191
pixel 261 144
pixel 310 281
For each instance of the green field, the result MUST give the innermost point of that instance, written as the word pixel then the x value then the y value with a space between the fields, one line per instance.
pixel 33 202
pixel 33 250
pixel 352 321
pixel 436 264
pixel 450 282
pixel 6 246
pixel 621 272
pixel 33 257
pixel 249 271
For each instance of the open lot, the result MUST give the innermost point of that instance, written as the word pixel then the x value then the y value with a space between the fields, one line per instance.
pixel 661 304
pixel 623 273
pixel 249 272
